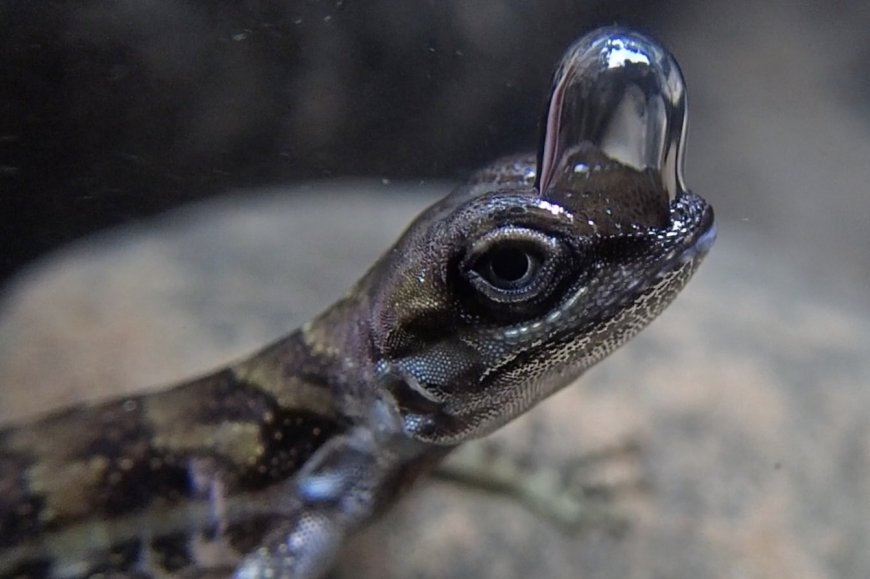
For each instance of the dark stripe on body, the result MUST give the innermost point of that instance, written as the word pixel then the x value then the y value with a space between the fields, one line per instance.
pixel 205 440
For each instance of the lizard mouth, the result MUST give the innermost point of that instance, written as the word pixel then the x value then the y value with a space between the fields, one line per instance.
pixel 690 237
pixel 703 241
pixel 695 224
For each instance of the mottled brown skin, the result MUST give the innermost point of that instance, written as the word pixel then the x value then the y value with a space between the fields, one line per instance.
pixel 494 298
pixel 220 434
pixel 225 442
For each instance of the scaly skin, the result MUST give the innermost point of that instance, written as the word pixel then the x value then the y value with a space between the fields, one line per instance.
pixel 494 298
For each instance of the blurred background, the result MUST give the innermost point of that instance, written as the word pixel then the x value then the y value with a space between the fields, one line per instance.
pixel 111 111
pixel 183 181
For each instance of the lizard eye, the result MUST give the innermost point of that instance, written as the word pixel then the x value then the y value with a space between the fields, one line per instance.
pixel 513 265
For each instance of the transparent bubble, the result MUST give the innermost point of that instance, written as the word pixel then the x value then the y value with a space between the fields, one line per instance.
pixel 617 96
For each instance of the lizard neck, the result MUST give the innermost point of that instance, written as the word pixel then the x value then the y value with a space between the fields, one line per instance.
pixel 330 367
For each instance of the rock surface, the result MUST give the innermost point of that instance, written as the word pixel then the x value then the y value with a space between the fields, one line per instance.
pixel 748 398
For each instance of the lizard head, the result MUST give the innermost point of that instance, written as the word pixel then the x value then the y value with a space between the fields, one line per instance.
pixel 513 285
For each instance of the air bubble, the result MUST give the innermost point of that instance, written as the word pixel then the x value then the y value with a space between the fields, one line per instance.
pixel 617 96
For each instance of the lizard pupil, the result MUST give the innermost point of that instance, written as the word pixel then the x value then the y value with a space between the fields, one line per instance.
pixel 510 267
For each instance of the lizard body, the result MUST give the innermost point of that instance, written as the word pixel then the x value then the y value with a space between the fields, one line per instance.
pixel 494 298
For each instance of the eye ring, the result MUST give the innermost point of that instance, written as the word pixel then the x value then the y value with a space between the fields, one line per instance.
pixel 513 265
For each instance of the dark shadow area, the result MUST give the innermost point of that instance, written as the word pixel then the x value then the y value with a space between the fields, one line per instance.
pixel 112 111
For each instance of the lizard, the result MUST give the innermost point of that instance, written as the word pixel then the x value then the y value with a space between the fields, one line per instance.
pixel 494 298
